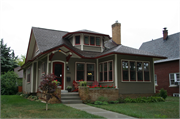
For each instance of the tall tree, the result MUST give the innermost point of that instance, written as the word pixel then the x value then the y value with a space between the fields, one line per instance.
pixel 8 59
pixel 20 61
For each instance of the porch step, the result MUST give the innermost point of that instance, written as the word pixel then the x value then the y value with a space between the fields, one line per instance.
pixel 70 98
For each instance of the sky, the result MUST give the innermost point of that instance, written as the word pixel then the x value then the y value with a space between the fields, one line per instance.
pixel 141 20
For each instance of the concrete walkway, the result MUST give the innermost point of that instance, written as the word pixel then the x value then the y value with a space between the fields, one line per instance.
pixel 98 111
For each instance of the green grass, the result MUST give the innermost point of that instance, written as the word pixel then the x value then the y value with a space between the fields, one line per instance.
pixel 167 109
pixel 14 106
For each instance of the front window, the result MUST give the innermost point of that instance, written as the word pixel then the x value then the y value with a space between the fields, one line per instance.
pixel 135 71
pixel 90 72
pixel 173 78
pixel 155 79
pixel 85 71
pixel 106 71
pixel 80 71
pixel 77 40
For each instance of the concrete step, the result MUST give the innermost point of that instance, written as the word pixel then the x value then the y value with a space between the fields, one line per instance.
pixel 70 98
pixel 70 94
pixel 64 91
pixel 71 101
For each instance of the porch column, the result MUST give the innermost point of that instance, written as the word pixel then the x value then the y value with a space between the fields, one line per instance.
pixel 97 73
pixel 32 67
pixel 47 64
pixel 115 72
pixel 37 72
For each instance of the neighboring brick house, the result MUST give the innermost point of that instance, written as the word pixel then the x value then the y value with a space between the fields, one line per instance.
pixel 89 56
pixel 167 70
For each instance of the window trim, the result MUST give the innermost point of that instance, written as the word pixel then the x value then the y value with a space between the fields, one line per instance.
pixel 129 80
pixel 85 70
pixel 88 40
pixel 175 79
pixel 102 63
pixel 79 39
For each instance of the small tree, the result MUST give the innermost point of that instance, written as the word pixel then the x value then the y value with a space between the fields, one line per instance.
pixel 20 61
pixel 48 87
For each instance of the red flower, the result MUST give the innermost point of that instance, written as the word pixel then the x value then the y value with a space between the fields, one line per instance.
pixel 114 86
pixel 106 85
pixel 56 79
pixel 79 80
pixel 100 86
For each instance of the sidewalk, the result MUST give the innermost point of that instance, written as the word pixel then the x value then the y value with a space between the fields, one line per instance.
pixel 98 111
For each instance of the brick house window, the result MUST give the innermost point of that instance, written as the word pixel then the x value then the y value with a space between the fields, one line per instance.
pixel 85 71
pixel 106 71
pixel 173 77
pixel 135 71
pixel 28 75
pixel 97 41
pixel 86 40
pixel 92 40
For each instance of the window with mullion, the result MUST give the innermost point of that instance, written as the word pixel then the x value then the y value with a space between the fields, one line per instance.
pixel 125 68
pixel 132 71
pixel 90 72
pixel 105 71
pixel 174 77
pixel 98 41
pixel 146 71
pixel 101 72
pixel 77 40
pixel 86 40
pixel 139 71
pixel 80 72
pixel 92 40
pixel 110 70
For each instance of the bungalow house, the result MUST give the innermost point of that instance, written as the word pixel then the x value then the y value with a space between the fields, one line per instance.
pixel 89 56
pixel 166 70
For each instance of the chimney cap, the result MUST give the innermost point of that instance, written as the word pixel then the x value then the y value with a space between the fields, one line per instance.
pixel 165 28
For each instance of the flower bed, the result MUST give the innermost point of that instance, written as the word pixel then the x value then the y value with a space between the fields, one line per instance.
pixel 102 86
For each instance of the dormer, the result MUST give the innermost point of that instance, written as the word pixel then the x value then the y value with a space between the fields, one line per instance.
pixel 86 40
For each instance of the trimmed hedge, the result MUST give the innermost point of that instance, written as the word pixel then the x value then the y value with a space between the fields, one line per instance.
pixel 144 100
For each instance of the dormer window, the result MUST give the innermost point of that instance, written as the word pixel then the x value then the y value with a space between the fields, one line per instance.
pixel 92 40
pixel 86 40
pixel 77 40
pixel 97 41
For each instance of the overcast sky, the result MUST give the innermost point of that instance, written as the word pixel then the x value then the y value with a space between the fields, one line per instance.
pixel 141 20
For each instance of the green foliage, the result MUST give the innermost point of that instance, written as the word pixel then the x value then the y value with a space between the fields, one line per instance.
pixel 102 98
pixel 83 83
pixel 87 101
pixel 113 102
pixel 105 103
pixel 144 100
pixel 20 61
pixel 121 100
pixel 33 97
pixel 163 93
pixel 8 83
pixel 7 58
pixel 19 93
pixel 98 102
pixel 69 87
pixel 25 95
pixel 160 116
pixel 19 82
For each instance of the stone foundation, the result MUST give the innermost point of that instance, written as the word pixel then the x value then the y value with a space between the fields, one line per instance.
pixel 93 94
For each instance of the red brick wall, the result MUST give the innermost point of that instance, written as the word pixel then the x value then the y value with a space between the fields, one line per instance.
pixel 162 71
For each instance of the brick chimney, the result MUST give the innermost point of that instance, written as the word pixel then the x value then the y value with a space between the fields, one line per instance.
pixel 116 33
pixel 165 34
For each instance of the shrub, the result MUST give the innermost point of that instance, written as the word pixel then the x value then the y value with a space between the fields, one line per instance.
pixel 113 102
pixel 19 93
pixel 83 83
pixel 102 98
pixel 105 103
pixel 98 102
pixel 121 100
pixel 163 93
pixel 144 100
pixel 8 83
pixel 25 95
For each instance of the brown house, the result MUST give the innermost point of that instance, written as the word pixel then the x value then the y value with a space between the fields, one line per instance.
pixel 166 70
pixel 89 56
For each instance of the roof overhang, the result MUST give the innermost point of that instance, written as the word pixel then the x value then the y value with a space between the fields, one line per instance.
pixel 166 60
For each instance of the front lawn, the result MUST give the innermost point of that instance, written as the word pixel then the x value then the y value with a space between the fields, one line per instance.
pixel 14 106
pixel 167 109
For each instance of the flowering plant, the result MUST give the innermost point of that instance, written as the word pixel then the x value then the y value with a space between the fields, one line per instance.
pixel 56 82
pixel 102 86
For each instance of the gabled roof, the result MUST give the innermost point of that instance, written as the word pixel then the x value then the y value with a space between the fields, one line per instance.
pixel 169 48
pixel 48 40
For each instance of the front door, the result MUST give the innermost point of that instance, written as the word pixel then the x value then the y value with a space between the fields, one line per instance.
pixel 58 70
